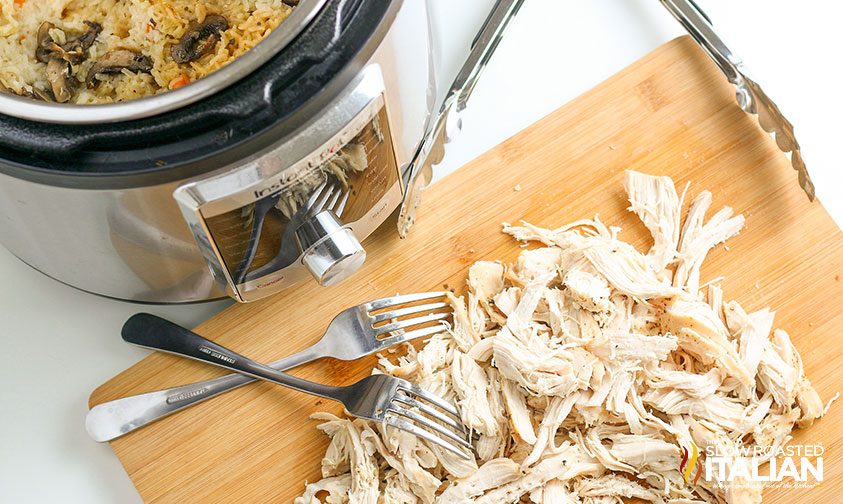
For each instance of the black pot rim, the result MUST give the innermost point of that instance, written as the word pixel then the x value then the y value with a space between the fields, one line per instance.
pixel 253 113
pixel 71 114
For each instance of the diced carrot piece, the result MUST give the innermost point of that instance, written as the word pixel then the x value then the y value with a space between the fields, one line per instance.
pixel 180 81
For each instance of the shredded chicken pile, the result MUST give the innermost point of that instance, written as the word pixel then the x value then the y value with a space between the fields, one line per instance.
pixel 584 367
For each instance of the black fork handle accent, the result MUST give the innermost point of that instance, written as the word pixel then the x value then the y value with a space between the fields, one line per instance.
pixel 150 331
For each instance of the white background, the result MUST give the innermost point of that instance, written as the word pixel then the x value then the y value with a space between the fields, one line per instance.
pixel 59 343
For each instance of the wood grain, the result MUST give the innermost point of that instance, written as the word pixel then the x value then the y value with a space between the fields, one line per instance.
pixel 669 113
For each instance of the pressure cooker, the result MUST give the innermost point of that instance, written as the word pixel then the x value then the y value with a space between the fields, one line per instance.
pixel 267 172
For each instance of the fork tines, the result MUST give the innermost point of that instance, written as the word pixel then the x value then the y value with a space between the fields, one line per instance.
pixel 405 316
pixel 330 196
pixel 424 414
pixel 402 318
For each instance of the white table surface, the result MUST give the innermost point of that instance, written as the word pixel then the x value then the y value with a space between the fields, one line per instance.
pixel 61 343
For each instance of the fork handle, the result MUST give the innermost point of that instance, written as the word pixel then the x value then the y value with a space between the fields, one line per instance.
pixel 158 334
pixel 112 419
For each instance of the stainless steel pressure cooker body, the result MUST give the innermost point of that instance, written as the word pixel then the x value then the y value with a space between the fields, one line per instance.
pixel 273 169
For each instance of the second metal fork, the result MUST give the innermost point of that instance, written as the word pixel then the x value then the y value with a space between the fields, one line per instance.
pixel 379 397
pixel 355 332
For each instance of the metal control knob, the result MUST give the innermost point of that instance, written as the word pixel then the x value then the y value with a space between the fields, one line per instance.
pixel 331 251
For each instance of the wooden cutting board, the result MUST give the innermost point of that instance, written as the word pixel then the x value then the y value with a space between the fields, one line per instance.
pixel 670 113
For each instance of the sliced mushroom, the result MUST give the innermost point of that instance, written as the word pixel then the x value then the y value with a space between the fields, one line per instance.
pixel 291 3
pixel 41 94
pixel 114 62
pixel 46 47
pixel 200 39
pixel 60 79
pixel 73 51
pixel 77 48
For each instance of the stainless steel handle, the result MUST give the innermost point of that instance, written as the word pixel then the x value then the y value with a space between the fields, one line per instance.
pixel 700 28
pixel 156 333
pixel 115 418
pixel 448 123
pixel 482 48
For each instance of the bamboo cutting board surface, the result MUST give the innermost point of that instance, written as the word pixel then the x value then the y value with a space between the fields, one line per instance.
pixel 670 113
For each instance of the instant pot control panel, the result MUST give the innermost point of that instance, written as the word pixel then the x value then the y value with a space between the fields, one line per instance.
pixel 303 206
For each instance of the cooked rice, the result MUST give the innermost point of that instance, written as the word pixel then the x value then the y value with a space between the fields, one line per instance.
pixel 147 26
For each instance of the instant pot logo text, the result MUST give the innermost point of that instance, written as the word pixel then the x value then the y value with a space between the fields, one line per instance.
pixel 283 181
pixel 270 189
pixel 792 466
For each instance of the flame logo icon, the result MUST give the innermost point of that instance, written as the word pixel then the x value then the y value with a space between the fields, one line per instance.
pixel 687 464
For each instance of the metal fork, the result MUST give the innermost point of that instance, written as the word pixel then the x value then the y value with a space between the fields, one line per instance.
pixel 379 397
pixel 350 335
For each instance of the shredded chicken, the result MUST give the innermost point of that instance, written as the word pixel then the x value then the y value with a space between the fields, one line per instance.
pixel 583 369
